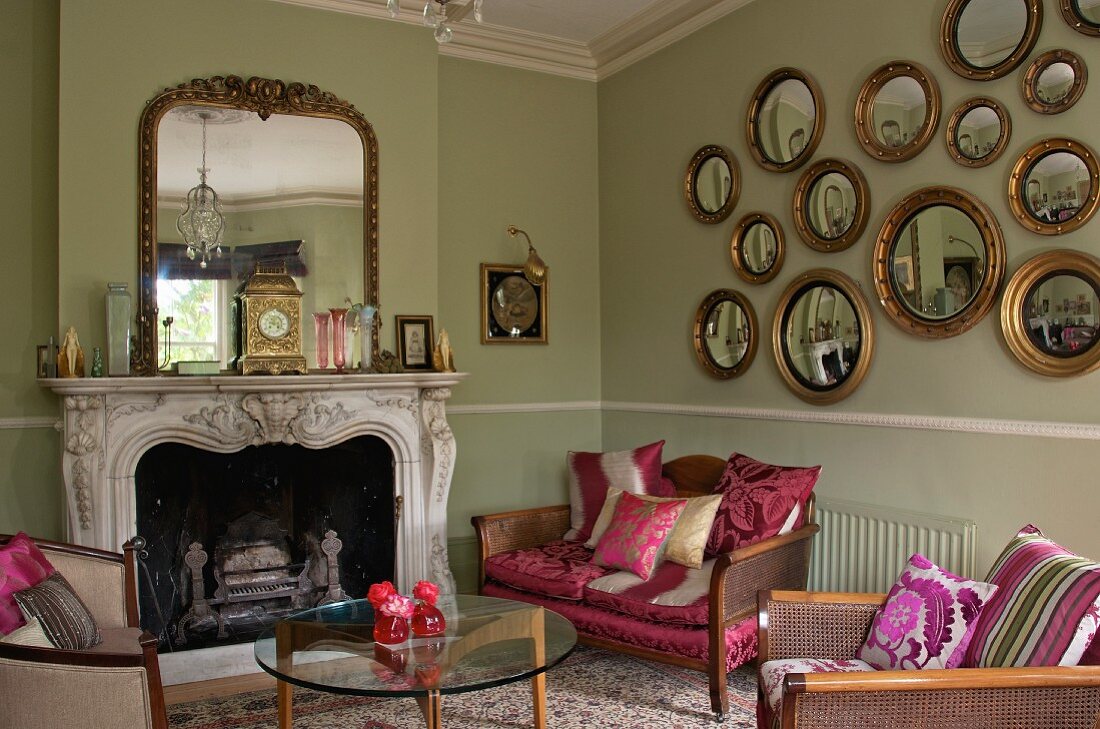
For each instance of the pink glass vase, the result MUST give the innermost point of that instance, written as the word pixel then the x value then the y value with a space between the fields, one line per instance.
pixel 427 620
pixel 390 629
pixel 320 328
pixel 338 316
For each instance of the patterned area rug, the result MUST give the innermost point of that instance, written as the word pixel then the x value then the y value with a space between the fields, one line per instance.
pixel 591 688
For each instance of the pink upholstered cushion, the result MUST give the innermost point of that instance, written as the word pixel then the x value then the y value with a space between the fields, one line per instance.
pixel 22 565
pixel 927 620
pixel 636 538
pixel 673 594
pixel 772 674
pixel 1092 653
pixel 636 471
pixel 557 569
pixel 757 501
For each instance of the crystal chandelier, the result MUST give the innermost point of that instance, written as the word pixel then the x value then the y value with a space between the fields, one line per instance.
pixel 201 222
pixel 440 18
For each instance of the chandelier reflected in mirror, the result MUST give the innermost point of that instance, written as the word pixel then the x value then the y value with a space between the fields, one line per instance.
pixel 201 222
pixel 441 15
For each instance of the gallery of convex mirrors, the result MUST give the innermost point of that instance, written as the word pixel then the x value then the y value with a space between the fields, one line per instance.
pixel 939 257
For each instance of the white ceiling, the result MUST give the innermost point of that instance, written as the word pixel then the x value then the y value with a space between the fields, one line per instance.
pixel 577 20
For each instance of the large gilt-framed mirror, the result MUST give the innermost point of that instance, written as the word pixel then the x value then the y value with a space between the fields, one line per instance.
pixel 823 337
pixel 897 111
pixel 296 172
pixel 1051 311
pixel 712 184
pixel 1082 15
pixel 1054 81
pixel 978 132
pixel 1054 187
pixel 986 39
pixel 938 262
pixel 786 120
pixel 725 335
pixel 831 204
pixel 757 249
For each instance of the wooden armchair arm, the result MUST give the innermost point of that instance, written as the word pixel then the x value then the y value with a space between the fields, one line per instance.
pixel 830 625
pixel 521 529
pixel 780 562
pixel 945 679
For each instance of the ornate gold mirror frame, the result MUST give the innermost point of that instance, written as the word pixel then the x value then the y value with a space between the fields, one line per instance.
pixel 700 333
pixel 865 116
pixel 1029 82
pixel 956 61
pixel 993 245
pixel 738 248
pixel 712 151
pixel 1017 183
pixel 802 193
pixel 752 126
pixel 265 97
pixel 954 124
pixel 1017 319
pixel 1071 12
pixel 829 278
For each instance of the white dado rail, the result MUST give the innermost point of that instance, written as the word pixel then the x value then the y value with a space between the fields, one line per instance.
pixel 109 423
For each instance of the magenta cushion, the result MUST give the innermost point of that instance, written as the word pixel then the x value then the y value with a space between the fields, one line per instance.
pixel 673 594
pixel 757 500
pixel 1092 653
pixel 927 620
pixel 557 569
pixel 22 565
pixel 639 530
pixel 636 471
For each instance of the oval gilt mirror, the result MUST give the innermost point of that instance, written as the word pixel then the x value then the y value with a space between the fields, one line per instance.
pixel 830 205
pixel 978 132
pixel 757 249
pixel 1054 81
pixel 823 337
pixel 1049 315
pixel 1082 15
pixel 1053 187
pixel 726 333
pixel 897 111
pixel 712 184
pixel 786 119
pixel 939 260
pixel 986 39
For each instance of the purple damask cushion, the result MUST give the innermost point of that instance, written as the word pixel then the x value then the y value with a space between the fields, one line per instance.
pixel 556 569
pixel 927 620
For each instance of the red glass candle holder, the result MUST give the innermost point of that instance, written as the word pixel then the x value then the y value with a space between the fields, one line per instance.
pixel 427 620
pixel 390 630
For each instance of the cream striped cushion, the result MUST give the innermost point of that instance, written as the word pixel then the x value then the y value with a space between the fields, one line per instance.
pixel 64 616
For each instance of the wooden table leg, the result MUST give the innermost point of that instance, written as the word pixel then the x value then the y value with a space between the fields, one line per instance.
pixel 284 659
pixel 538 659
pixel 431 706
pixel 538 684
pixel 285 699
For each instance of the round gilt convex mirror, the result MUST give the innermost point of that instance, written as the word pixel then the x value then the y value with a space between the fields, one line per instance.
pixel 1082 15
pixel 897 111
pixel 831 204
pixel 712 184
pixel 938 262
pixel 757 248
pixel 978 132
pixel 1054 186
pixel 986 39
pixel 725 334
pixel 786 119
pixel 823 337
pixel 1049 315
pixel 1054 81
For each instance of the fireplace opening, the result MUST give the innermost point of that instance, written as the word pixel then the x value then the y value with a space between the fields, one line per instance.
pixel 237 540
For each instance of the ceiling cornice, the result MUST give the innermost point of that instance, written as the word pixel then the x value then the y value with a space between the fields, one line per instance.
pixel 646 33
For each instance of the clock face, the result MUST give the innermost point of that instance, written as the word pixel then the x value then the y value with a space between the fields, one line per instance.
pixel 274 324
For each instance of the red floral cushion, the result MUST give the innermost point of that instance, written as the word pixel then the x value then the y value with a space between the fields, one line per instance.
pixel 22 565
pixel 757 501
pixel 556 569
pixel 636 471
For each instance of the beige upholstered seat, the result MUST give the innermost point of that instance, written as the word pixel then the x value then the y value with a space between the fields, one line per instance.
pixel 116 684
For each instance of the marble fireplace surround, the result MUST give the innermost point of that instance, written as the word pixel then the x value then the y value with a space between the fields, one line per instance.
pixel 110 423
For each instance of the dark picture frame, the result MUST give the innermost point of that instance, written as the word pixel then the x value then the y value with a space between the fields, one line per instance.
pixel 513 310
pixel 415 340
pixel 43 360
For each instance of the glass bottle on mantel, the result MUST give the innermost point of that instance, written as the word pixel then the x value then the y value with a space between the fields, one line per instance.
pixel 118 330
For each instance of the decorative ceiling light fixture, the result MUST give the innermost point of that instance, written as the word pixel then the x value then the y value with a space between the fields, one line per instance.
pixel 534 270
pixel 201 222
pixel 441 18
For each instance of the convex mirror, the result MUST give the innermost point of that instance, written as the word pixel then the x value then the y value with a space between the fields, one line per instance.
pixel 986 39
pixel 726 334
pixel 786 119
pixel 1082 15
pixel 757 248
pixel 1053 187
pixel 1054 81
pixel 712 184
pixel 978 132
pixel 897 111
pixel 831 205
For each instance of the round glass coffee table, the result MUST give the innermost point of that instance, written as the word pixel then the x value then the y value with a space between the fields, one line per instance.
pixel 488 642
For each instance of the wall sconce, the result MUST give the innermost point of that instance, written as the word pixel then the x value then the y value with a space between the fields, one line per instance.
pixel 534 270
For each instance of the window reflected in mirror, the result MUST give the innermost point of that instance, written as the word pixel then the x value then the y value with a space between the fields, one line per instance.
pixel 1056 186
pixel 821 336
pixel 1061 312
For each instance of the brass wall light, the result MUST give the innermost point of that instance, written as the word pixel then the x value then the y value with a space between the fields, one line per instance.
pixel 534 270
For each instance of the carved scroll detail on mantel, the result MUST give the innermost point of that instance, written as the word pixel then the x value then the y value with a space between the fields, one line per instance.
pixel 82 442
pixel 129 408
pixel 274 412
pixel 227 421
pixel 441 567
pixel 442 439
pixel 394 402
pixel 318 418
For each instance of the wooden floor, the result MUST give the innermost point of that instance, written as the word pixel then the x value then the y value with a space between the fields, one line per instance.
pixel 184 692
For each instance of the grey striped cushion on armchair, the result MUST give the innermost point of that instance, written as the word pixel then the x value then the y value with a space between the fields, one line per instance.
pixel 64 616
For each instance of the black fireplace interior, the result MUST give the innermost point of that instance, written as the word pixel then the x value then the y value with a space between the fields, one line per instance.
pixel 186 495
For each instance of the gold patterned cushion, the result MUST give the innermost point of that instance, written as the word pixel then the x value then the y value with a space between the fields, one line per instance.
pixel 689 537
pixel 65 618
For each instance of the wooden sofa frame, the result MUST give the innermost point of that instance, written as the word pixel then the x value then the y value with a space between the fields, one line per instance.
pixel 779 562
pixel 832 625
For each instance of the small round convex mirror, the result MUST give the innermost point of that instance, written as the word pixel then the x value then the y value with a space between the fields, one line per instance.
pixel 1054 81
pixel 978 132
pixel 830 205
pixel 1052 188
pixel 1082 15
pixel 986 39
pixel 897 111
pixel 785 120
pixel 725 334
pixel 757 248
pixel 712 184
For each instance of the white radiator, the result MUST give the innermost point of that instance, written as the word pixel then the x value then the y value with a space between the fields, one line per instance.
pixel 862 547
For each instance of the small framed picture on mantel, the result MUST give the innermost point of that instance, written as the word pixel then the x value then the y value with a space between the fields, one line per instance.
pixel 513 310
pixel 415 340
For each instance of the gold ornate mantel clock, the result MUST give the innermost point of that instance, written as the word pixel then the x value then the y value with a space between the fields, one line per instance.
pixel 268 317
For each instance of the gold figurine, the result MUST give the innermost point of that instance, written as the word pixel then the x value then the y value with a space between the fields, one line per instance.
pixel 71 361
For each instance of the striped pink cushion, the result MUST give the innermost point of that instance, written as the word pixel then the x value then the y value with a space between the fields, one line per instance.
pixel 1045 611
pixel 636 471
pixel 672 594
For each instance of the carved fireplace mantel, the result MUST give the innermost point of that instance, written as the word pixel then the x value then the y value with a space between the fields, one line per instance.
pixel 109 423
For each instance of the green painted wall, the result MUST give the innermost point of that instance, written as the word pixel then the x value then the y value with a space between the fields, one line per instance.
pixel 657 264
